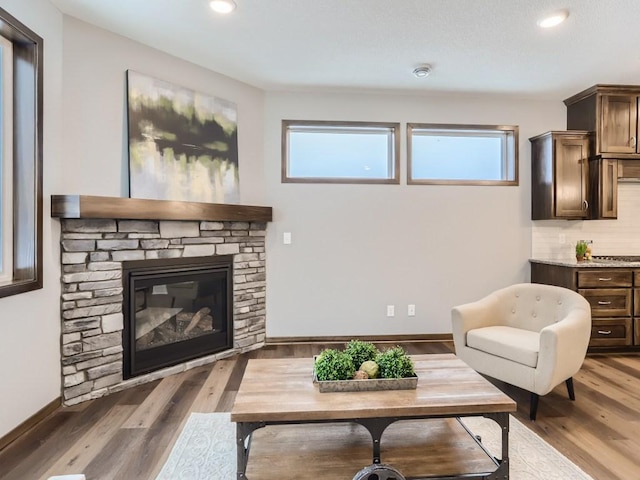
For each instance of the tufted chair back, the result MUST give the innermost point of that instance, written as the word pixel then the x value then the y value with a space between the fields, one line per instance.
pixel 533 306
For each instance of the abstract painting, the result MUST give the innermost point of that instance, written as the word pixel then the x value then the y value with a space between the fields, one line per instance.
pixel 183 145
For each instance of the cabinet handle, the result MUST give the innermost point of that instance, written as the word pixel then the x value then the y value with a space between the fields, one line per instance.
pixel 633 141
pixel 604 279
pixel 604 332
pixel 585 204
pixel 602 302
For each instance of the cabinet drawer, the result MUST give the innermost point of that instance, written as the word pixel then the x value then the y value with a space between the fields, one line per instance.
pixel 607 332
pixel 608 302
pixel 636 278
pixel 604 278
pixel 636 302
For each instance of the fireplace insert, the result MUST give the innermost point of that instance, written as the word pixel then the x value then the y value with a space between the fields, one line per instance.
pixel 175 310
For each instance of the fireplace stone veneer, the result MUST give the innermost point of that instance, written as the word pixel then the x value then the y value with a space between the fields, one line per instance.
pixel 92 252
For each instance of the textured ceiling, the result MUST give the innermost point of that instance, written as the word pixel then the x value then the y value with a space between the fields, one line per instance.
pixel 474 46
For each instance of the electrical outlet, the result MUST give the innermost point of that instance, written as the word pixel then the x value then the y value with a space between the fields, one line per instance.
pixel 411 310
pixel 286 238
pixel 562 239
pixel 391 311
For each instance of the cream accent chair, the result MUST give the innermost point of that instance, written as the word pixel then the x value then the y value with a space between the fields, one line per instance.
pixel 530 335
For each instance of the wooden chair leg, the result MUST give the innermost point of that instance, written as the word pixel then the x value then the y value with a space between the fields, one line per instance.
pixel 569 382
pixel 534 406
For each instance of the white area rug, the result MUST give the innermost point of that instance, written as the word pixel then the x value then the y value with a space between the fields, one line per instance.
pixel 531 457
pixel 206 449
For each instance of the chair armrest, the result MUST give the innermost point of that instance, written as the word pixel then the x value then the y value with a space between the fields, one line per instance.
pixel 563 347
pixel 481 313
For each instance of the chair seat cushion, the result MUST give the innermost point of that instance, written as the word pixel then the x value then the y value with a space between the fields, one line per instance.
pixel 517 345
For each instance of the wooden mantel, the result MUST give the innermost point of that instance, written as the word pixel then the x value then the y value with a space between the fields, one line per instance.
pixel 88 206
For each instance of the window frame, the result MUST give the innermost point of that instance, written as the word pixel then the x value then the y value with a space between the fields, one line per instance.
pixel 458 127
pixel 6 161
pixel 394 160
pixel 28 49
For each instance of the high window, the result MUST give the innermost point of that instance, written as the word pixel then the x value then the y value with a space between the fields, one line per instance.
pixel 462 154
pixel 340 152
pixel 21 52
pixel 6 160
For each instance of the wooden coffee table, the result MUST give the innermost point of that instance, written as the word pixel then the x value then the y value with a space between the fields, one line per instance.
pixel 281 391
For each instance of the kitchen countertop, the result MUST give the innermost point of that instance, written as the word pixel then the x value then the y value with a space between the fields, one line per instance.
pixel 586 264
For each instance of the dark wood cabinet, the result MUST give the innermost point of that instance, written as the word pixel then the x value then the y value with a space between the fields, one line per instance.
pixel 629 169
pixel 603 188
pixel 599 278
pixel 611 112
pixel 614 296
pixel 575 172
pixel 559 175
pixel 608 302
pixel 636 307
pixel 619 124
pixel 611 332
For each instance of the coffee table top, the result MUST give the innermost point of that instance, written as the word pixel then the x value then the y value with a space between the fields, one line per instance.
pixel 282 390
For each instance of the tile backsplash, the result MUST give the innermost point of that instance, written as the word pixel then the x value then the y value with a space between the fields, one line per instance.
pixel 610 237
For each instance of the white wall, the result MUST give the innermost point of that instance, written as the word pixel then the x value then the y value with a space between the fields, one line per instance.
pixel 357 248
pixel 85 153
pixel 30 322
pixel 95 136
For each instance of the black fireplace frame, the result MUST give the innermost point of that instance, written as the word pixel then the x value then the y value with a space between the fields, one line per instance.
pixel 137 363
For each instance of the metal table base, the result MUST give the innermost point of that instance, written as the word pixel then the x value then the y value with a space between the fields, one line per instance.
pixel 376 427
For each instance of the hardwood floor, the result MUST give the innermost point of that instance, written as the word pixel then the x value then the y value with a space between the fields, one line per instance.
pixel 128 435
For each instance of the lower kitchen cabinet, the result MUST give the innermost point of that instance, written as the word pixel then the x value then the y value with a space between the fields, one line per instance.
pixel 636 302
pixel 608 302
pixel 611 332
pixel 613 293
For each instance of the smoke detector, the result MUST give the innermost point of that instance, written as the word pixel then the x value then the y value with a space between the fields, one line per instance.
pixel 422 71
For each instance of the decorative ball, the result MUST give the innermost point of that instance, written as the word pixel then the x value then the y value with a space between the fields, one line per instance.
pixel 360 375
pixel 371 368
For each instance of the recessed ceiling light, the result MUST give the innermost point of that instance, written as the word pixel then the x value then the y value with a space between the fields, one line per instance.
pixel 422 71
pixel 556 18
pixel 222 6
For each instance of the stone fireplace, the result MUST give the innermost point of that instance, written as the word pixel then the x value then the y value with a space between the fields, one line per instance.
pixel 98 251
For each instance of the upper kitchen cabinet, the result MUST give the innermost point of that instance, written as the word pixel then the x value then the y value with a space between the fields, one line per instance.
pixel 611 112
pixel 619 124
pixel 603 187
pixel 560 175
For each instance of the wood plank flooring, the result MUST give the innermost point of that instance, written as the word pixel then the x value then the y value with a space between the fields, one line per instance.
pixel 128 435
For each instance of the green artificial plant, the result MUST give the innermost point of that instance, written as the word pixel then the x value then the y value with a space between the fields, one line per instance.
pixel 334 364
pixel 361 352
pixel 581 248
pixel 395 363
